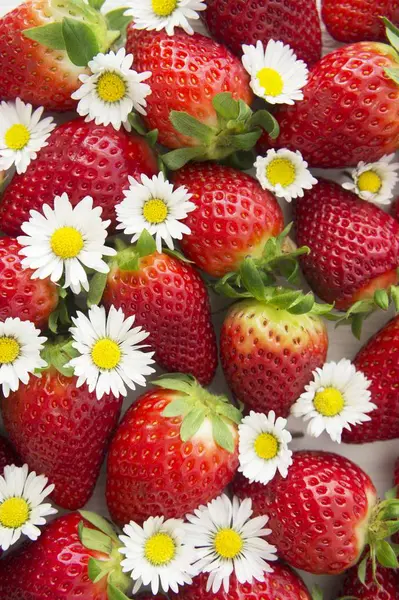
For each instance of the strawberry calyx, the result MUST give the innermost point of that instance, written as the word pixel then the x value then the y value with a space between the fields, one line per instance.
pixel 57 353
pixel 104 540
pixel 195 404
pixel 393 37
pixel 236 134
pixel 80 29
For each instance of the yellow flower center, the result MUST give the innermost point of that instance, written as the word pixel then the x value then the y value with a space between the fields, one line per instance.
pixel 111 87
pixel 17 137
pixel 14 512
pixel 369 181
pixel 160 549
pixel 228 543
pixel 329 402
pixel 266 446
pixel 66 242
pixel 281 171
pixel 155 211
pixel 106 354
pixel 9 350
pixel 271 81
pixel 164 8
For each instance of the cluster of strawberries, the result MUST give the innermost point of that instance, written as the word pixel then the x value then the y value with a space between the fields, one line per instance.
pixel 94 292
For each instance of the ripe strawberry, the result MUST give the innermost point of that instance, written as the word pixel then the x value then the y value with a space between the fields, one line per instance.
pixel 37 73
pixel 20 296
pixel 7 454
pixel 387 587
pixel 82 159
pixel 350 111
pixel 282 584
pixel 359 20
pixel 171 302
pixel 234 217
pixel 61 430
pixel 268 354
pixel 294 22
pixel 63 561
pixel 379 361
pixel 321 513
pixel 176 448
pixel 354 245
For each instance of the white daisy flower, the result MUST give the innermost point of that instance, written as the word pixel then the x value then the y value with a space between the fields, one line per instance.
pixel 156 206
pixel 22 134
pixel 112 91
pixel 277 75
pixel 111 357
pixel 227 540
pixel 62 241
pixel 285 173
pixel 166 14
pixel 375 182
pixel 21 504
pixel 20 347
pixel 337 398
pixel 263 447
pixel 157 554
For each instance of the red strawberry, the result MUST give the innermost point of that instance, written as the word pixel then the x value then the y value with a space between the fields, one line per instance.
pixel 321 513
pixel 20 296
pixel 359 20
pixel 294 22
pixel 61 430
pixel 350 111
pixel 234 217
pixel 354 245
pixel 82 159
pixel 35 72
pixel 61 566
pixel 7 454
pixel 170 301
pixel 379 361
pixel 387 587
pixel 176 448
pixel 282 584
pixel 268 354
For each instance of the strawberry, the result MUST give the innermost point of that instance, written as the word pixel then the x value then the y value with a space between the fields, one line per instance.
pixel 358 20
pixel 354 245
pixel 270 345
pixel 234 217
pixel 350 110
pixel 41 59
pixel 282 584
pixel 82 159
pixel 61 430
pixel 176 448
pixel 379 361
pixel 20 296
pixel 294 22
pixel 170 301
pixel 74 550
pixel 200 96
pixel 323 514
pixel 7 454
pixel 386 586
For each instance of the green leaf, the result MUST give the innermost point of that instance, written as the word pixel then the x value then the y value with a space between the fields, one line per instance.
pixel 80 42
pixel 304 306
pixel 357 325
pixel 386 556
pixel 391 527
pixel 395 296
pixel 392 494
pixel 152 137
pixel 317 593
pixel 95 570
pixel 96 4
pixel 286 299
pixel 392 33
pixel 100 523
pixel 176 159
pixel 117 20
pixel 96 289
pixel 178 382
pixel 393 73
pixel 137 124
pixel 381 299
pixel 47 35
pixel 362 569
pixel 244 141
pixel 145 244
pixel 264 119
pixel 229 411
pixel 114 594
pixel 226 106
pixel 191 423
pixel 222 434
pixel 187 125
pixel 251 279
pixel 95 540
pixel 177 408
